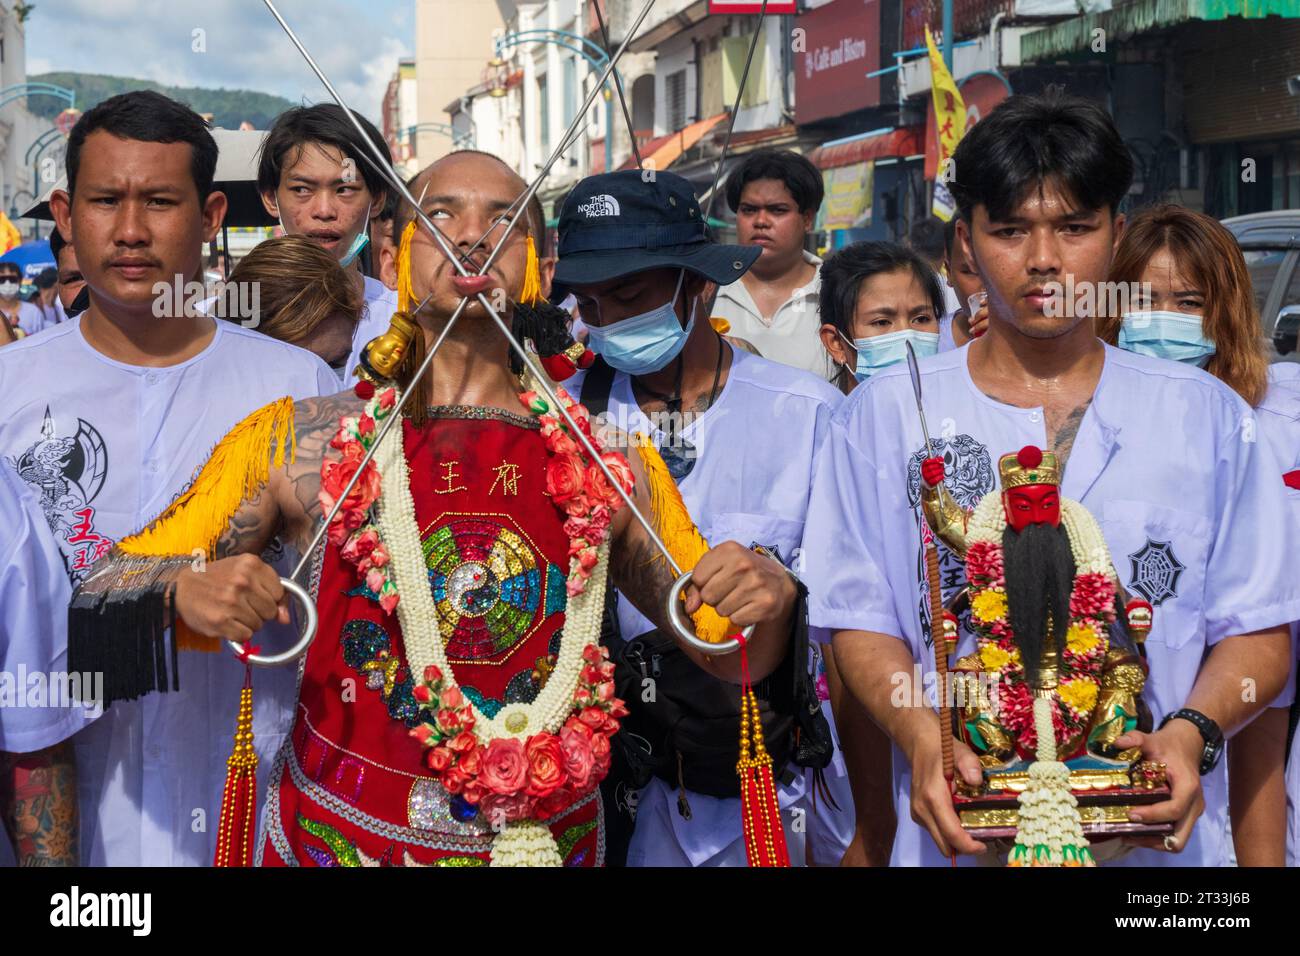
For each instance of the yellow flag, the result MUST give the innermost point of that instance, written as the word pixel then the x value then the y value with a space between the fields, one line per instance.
pixel 10 237
pixel 950 122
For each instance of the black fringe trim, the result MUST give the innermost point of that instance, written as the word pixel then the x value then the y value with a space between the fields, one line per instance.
pixel 120 625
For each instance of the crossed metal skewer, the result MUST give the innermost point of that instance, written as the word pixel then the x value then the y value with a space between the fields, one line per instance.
pixel 382 165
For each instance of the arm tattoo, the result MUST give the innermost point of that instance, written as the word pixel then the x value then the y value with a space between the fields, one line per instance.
pixel 288 503
pixel 38 796
pixel 1063 441
pixel 641 574
pixel 316 421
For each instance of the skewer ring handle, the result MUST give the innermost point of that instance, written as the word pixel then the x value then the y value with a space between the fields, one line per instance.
pixel 685 630
pixel 310 621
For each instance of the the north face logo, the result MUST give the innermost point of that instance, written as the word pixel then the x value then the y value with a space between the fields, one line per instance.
pixel 603 205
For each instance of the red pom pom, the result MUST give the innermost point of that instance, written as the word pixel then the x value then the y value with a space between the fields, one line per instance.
pixel 1030 457
pixel 559 367
pixel 586 358
pixel 365 390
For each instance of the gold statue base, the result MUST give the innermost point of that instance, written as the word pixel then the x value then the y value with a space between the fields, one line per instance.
pixel 1105 798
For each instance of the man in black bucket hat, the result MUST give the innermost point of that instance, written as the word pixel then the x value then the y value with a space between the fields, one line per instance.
pixel 739 435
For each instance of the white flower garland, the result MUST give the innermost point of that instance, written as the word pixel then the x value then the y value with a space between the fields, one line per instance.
pixel 422 633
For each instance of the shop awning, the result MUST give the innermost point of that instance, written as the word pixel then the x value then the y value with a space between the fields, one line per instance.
pixel 1140 16
pixel 865 147
pixel 661 152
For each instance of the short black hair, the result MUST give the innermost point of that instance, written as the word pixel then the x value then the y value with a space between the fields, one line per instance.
pixel 949 236
pixel 47 278
pixel 12 267
pixel 926 237
pixel 845 270
pixel 1028 140
pixel 800 176
pixel 57 243
pixel 150 117
pixel 327 124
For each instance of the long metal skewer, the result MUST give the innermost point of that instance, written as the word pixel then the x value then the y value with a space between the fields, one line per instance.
pixel 445 246
pixel 457 262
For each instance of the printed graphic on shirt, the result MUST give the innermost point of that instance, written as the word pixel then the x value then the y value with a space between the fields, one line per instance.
pixel 968 474
pixel 67 473
pixel 1155 572
pixel 967 470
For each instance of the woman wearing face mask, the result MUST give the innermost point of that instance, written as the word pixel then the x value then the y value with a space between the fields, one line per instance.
pixel 18 315
pixel 1196 306
pixel 875 298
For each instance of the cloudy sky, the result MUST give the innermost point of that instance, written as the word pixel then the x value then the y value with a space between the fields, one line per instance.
pixel 356 42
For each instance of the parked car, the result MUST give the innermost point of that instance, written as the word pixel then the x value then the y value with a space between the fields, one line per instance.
pixel 1270 242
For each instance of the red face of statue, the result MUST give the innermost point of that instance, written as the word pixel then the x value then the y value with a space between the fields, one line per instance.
pixel 1032 504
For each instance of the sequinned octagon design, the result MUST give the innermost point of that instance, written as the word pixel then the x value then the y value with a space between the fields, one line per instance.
pixel 489 585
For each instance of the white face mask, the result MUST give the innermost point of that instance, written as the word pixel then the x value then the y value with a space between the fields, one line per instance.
pixel 9 289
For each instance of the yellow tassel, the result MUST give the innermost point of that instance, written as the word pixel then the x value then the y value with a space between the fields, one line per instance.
pixel 532 290
pixel 679 533
pixel 404 294
pixel 236 470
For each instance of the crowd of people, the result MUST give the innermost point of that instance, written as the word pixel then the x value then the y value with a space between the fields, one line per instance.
pixel 774 387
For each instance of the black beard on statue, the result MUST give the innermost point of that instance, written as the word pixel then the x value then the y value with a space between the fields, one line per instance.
pixel 1039 570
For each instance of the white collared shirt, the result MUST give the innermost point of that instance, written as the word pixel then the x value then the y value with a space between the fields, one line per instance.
pixel 106 447
pixel 1166 458
pixel 1279 424
pixel 754 453
pixel 790 335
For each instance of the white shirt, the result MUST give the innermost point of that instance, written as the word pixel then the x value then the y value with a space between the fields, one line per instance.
pixel 1165 459
pixel 946 341
pixel 30 317
pixel 1279 424
pixel 380 304
pixel 790 335
pixel 34 594
pixel 750 483
pixel 106 447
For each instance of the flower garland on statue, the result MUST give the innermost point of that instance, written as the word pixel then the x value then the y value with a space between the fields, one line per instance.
pixel 530 761
pixel 1092 609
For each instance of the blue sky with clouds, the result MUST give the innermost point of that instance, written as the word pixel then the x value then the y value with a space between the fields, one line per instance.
pixel 356 42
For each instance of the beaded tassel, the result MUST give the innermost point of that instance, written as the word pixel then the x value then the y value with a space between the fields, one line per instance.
pixel 760 812
pixel 237 830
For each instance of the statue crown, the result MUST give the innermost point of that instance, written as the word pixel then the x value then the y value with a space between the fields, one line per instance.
pixel 1029 466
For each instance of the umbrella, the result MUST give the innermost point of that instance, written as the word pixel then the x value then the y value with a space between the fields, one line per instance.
pixel 31 257
pixel 236 176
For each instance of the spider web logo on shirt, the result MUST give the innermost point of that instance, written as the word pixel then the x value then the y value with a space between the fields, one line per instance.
pixel 1155 571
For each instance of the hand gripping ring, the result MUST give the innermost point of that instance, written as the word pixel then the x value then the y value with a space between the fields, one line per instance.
pixel 310 619
pixel 682 625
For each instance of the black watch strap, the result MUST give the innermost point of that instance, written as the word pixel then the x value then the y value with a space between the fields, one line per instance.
pixel 1210 733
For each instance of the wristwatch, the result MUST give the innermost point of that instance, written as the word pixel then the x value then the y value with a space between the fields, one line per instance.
pixel 1210 733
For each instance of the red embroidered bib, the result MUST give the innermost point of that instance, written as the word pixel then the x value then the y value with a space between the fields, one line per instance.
pixel 350 787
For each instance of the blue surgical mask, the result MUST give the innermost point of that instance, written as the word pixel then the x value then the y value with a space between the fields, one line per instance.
pixel 881 351
pixel 643 343
pixel 1167 335
pixel 359 241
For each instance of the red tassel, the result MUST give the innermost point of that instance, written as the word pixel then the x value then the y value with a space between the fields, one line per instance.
pixel 759 808
pixel 237 831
